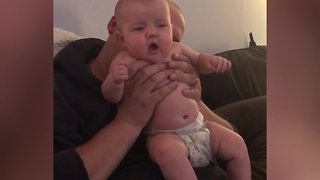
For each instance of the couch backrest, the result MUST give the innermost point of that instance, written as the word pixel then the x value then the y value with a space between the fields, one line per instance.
pixel 246 79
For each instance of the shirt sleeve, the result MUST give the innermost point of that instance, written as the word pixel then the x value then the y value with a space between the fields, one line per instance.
pixel 68 165
pixel 67 136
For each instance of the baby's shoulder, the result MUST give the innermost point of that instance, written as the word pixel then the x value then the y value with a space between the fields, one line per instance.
pixel 124 56
pixel 176 48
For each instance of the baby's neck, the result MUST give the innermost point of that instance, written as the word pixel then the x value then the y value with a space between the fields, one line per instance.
pixel 155 61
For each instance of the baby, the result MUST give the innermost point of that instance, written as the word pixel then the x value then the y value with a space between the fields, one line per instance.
pixel 145 30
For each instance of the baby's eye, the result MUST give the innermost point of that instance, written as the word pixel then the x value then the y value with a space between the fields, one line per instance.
pixel 162 25
pixel 138 29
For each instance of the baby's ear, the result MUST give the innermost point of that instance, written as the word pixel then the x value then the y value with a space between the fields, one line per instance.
pixel 118 35
pixel 120 38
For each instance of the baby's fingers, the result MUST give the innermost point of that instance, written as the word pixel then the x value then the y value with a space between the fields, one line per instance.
pixel 223 65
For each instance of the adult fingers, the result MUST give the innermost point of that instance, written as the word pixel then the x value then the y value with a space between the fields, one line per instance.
pixel 182 66
pixel 146 72
pixel 155 80
pixel 136 66
pixel 159 94
pixel 190 79
pixel 192 93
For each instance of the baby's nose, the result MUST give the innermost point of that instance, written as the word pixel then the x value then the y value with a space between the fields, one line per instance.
pixel 151 33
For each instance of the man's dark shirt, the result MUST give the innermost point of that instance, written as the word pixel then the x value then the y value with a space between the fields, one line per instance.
pixel 80 111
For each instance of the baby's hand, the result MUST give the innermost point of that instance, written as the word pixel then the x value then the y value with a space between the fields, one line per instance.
pixel 120 73
pixel 211 63
pixel 221 65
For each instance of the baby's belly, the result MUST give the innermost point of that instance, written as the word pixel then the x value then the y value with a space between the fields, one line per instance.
pixel 175 111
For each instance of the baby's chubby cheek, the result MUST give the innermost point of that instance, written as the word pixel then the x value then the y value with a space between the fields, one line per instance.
pixel 137 52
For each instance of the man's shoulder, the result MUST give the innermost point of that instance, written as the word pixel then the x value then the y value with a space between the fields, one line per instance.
pixel 80 46
pixel 87 42
pixel 78 53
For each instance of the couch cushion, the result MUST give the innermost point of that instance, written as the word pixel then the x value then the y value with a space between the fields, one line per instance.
pixel 246 79
pixel 249 118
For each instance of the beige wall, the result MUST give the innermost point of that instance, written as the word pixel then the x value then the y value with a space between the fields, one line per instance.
pixel 212 25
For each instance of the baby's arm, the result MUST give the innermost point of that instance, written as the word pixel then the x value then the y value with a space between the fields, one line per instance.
pixel 205 63
pixel 208 63
pixel 113 86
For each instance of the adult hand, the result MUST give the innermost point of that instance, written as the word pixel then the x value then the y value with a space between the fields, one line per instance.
pixel 140 96
pixel 185 73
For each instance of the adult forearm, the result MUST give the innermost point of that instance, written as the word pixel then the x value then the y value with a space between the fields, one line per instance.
pixel 211 116
pixel 102 154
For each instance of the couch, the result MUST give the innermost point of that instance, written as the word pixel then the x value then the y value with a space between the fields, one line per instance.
pixel 239 96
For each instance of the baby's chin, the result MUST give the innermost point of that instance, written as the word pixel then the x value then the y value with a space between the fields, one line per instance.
pixel 156 58
pixel 152 57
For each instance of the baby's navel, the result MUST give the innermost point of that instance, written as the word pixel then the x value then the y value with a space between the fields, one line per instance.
pixel 185 116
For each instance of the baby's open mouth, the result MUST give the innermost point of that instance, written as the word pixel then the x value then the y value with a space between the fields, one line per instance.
pixel 153 47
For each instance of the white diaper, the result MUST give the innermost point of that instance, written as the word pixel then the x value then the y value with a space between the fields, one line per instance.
pixel 196 137
pixel 198 143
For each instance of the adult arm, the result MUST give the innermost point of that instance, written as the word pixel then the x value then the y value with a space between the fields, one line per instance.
pixel 69 163
pixel 134 111
pixel 213 117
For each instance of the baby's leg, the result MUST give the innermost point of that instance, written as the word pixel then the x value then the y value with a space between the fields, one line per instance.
pixel 231 148
pixel 170 153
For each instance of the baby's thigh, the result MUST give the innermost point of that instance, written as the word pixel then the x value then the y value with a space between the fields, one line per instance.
pixel 225 144
pixel 165 145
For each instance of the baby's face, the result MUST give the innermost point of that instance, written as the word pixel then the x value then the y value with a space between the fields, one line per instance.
pixel 146 30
